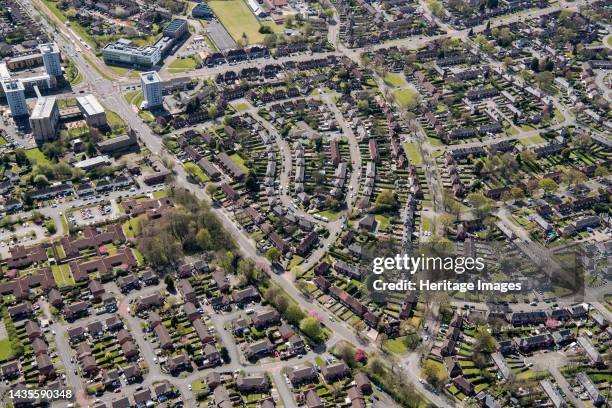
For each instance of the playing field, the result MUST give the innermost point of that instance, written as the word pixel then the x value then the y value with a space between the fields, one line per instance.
pixel 237 19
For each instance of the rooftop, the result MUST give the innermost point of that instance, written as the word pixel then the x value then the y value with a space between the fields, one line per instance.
pixel 44 107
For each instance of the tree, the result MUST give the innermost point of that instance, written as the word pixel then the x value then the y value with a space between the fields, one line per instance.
pixel 534 65
pixel 273 255
pixel 484 341
pixel 547 185
pixel 433 373
pixel 347 353
pixel 387 201
pixel 41 180
pixel 251 182
pixel 517 193
pixel 573 177
pixel 294 314
pixel 601 171
pixel 302 287
pixel 482 205
pixel 204 239
pixel 212 189
pixel 169 284
pixel 312 329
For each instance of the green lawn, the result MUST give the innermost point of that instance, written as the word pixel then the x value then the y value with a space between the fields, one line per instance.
pixel 182 65
pixel 406 98
pixel 239 161
pixel 114 120
pixel 413 153
pixel 330 215
pixel 396 80
pixel 383 221
pixel 194 169
pixel 36 156
pixel 6 351
pixel 62 275
pixel 237 19
pixel 396 346
pixel 427 224
pixel 531 140
pixel 241 107
pixel 3 141
pixel 134 98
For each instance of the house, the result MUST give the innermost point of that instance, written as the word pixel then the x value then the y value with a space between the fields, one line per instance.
pixel 464 385
pixel 252 383
pixel 301 375
pixel 213 380
pixel 245 295
pixel 32 329
pixel 266 317
pixel 186 290
pixel 178 363
pixel 163 336
pixel 553 394
pixel 258 349
pixel 368 223
pixel 591 351
pixel 362 382
pixel 536 342
pixel 312 399
pixel 334 371
pixel 211 354
pixel 593 392
pixel 142 397
pixel 132 373
pixel 221 280
pixel 453 367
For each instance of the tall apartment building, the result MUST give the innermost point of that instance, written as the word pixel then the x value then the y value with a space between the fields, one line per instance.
pixel 15 97
pixel 44 119
pixel 151 89
pixel 51 58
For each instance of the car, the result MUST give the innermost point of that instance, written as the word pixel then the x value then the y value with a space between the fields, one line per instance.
pixel 189 387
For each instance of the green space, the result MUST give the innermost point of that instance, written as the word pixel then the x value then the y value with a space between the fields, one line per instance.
pixel 406 98
pixel 532 140
pixel 397 345
pixel 6 351
pixel 134 98
pixel 330 215
pixel 195 171
pixel 393 79
pixel 427 224
pixel 413 153
pixel 238 20
pixel 383 221
pixel 36 156
pixel 182 65
pixel 114 120
pixel 239 161
pixel 241 107
pixel 62 275
pixel 3 141
pixel 160 194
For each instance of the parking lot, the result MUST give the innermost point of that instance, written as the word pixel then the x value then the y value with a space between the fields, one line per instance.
pixel 100 212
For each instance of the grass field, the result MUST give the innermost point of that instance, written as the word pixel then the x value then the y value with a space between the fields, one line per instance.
pixel 134 98
pixel 237 19
pixel 397 345
pixel 62 275
pixel 406 98
pixel 197 171
pixel 6 351
pixel 393 79
pixel 36 156
pixel 413 153
pixel 114 120
pixel 183 65
pixel 531 140
pixel 3 141
pixel 239 161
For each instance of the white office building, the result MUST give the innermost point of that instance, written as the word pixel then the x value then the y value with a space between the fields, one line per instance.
pixel 44 119
pixel 51 58
pixel 15 97
pixel 151 89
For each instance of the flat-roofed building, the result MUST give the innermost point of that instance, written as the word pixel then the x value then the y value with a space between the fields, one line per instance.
pixel 15 96
pixel 92 110
pixel 51 58
pixel 151 89
pixel 44 118
pixel 125 54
